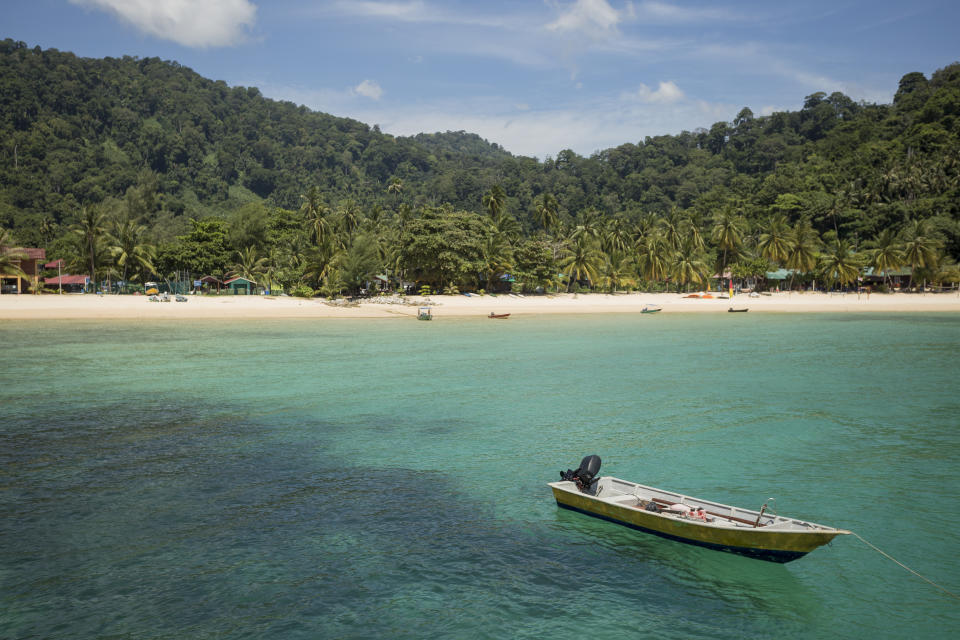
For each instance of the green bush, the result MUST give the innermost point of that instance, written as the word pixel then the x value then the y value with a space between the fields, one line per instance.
pixel 302 291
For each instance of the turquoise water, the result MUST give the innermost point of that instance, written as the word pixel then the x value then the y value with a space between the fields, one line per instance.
pixel 386 478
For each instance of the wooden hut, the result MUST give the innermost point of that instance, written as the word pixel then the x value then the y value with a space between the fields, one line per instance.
pixel 240 285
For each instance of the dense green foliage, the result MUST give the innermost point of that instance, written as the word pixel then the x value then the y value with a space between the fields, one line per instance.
pixel 135 168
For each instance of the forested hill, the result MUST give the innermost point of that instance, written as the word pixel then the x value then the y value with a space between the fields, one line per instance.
pixel 79 131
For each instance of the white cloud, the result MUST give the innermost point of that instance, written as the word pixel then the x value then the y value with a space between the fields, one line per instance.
pixel 665 13
pixel 369 89
pixel 666 93
pixel 594 18
pixel 209 23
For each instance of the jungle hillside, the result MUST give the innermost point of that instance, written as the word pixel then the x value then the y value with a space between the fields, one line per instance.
pixel 133 169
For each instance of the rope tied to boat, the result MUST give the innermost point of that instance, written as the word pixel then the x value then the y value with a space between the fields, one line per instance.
pixel 889 557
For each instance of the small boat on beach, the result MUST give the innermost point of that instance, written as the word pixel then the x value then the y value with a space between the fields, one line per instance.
pixel 498 316
pixel 735 310
pixel 651 308
pixel 755 534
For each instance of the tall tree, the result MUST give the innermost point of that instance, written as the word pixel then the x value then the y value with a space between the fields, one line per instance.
pixel 495 202
pixel 919 247
pixel 774 242
pixel 128 246
pixel 727 233
pixel 887 254
pixel 91 228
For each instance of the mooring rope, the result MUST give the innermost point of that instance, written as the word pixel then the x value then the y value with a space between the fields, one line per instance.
pixel 888 556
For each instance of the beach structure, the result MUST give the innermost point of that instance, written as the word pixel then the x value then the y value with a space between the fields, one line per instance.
pixel 240 285
pixel 29 260
pixel 209 282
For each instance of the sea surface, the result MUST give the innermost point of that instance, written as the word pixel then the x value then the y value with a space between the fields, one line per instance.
pixel 330 478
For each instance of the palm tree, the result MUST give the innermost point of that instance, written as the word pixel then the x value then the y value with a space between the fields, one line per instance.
pixel 653 258
pixel 249 265
pixel 316 214
pixel 91 228
pixel 919 248
pixel 727 234
pixel 887 255
pixel 395 187
pixel 774 244
pixel 583 261
pixel 547 212
pixel 802 253
pixel 616 271
pixel 672 226
pixel 10 257
pixel 588 225
pixel 689 266
pixel 616 236
pixel 841 265
pixel 497 257
pixel 128 248
pixel 495 202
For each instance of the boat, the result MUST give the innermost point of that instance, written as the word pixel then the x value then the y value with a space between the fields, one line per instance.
pixel 734 310
pixel 498 316
pixel 692 295
pixel 683 518
pixel 424 314
pixel 651 308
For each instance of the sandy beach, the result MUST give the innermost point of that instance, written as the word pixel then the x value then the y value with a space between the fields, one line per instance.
pixel 75 306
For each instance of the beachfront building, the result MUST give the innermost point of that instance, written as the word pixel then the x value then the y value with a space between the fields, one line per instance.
pixel 896 278
pixel 30 262
pixel 240 285
pixel 209 282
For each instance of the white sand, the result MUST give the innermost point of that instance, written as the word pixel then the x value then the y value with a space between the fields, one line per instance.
pixel 73 306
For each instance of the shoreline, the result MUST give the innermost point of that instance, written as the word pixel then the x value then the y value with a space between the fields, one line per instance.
pixel 108 307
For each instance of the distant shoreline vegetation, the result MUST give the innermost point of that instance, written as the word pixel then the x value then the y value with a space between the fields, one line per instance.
pixel 136 170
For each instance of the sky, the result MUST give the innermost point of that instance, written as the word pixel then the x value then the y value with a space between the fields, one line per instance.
pixel 534 76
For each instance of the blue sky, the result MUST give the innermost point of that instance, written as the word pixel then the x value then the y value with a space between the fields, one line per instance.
pixel 535 76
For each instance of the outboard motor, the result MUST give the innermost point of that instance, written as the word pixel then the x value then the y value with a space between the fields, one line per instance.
pixel 585 475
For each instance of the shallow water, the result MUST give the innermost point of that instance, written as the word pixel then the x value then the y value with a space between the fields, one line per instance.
pixel 351 479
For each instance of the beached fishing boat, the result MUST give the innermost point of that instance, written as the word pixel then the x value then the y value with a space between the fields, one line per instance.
pixel 668 514
pixel 498 316
pixel 651 308
pixel 735 310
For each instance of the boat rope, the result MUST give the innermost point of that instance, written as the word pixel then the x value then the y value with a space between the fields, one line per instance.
pixel 889 557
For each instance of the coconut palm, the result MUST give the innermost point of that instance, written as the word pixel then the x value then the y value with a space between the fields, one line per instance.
pixel 587 226
pixel 583 260
pixel 395 187
pixel 316 214
pixel 919 247
pixel 617 271
pixel 497 258
pixel 727 234
pixel 887 255
pixel 128 248
pixel 672 226
pixel 802 253
pixel 774 243
pixel 91 228
pixel 547 212
pixel 689 266
pixel 616 236
pixel 249 265
pixel 654 257
pixel 10 257
pixel 840 265
pixel 495 202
